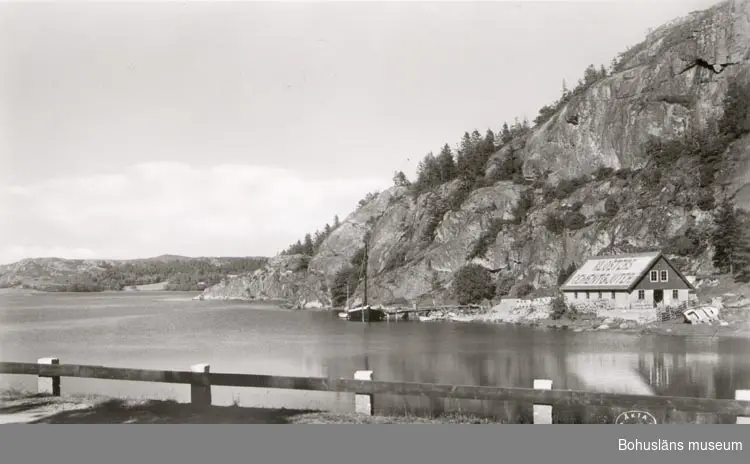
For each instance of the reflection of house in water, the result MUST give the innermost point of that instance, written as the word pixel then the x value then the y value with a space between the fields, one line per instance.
pixel 628 281
pixel 608 372
pixel 674 374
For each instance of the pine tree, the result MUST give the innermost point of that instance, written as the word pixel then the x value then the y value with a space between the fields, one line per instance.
pixel 318 238
pixel 309 247
pixel 295 249
pixel 506 134
pixel 488 144
pixel 613 66
pixel 742 255
pixel 400 180
pixel 566 273
pixel 446 164
pixel 336 221
pixel 476 139
pixel 465 157
pixel 736 118
pixel 590 75
pixel 428 173
pixel 725 237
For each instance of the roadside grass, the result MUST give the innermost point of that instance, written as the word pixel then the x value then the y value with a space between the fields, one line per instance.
pixel 17 405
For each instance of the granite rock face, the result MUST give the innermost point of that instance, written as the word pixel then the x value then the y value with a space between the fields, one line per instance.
pixel 672 83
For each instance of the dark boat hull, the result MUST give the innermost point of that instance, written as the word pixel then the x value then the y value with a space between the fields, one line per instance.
pixel 366 315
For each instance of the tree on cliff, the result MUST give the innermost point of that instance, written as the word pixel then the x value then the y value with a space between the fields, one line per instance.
pixel 725 237
pixel 428 174
pixel 344 284
pixel 472 284
pixel 742 259
pixel 400 180
pixel 736 118
pixel 446 164
pixel 505 135
pixel 566 273
pixel 465 157
pixel 308 246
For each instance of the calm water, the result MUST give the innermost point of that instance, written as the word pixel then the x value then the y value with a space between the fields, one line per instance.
pixel 167 330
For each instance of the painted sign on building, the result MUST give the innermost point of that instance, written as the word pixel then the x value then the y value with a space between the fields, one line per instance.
pixel 610 272
pixel 606 272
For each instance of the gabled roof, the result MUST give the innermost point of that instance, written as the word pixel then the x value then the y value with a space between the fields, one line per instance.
pixel 621 272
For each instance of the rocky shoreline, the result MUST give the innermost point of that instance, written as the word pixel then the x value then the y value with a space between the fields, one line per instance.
pixel 734 321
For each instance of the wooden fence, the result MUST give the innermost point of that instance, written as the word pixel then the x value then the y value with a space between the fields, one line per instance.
pixel 542 396
pixel 671 313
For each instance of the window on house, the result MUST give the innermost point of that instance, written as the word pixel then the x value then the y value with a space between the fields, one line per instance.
pixel 600 295
pixel 641 294
pixel 613 295
pixel 654 276
pixel 588 295
pixel 675 295
pixel 575 295
pixel 663 276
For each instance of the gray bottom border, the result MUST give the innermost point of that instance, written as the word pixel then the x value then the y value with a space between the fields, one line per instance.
pixel 331 444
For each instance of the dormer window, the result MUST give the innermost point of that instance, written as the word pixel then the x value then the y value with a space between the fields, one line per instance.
pixel 654 276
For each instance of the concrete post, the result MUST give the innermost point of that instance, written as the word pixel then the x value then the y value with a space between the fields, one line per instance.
pixel 742 395
pixel 542 412
pixel 200 393
pixel 363 404
pixel 48 385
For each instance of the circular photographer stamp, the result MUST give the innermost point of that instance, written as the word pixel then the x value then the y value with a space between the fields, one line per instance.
pixel 635 417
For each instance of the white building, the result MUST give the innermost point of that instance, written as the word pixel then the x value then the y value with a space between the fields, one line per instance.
pixel 628 281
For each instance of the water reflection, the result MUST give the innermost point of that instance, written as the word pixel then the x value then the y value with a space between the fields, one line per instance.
pixel 674 366
pixel 714 373
pixel 159 334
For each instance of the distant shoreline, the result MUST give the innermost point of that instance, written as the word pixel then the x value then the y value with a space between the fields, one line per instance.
pixel 157 287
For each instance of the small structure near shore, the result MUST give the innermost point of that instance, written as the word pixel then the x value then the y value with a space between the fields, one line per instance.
pixel 634 281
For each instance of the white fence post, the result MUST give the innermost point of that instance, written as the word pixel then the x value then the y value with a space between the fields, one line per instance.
pixel 200 393
pixel 363 404
pixel 48 385
pixel 542 412
pixel 742 395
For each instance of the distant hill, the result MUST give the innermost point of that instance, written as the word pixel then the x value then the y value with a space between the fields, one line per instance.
pixel 180 273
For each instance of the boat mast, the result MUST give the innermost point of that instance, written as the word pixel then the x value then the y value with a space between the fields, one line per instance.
pixel 365 302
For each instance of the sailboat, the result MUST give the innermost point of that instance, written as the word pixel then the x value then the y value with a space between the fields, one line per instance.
pixel 364 313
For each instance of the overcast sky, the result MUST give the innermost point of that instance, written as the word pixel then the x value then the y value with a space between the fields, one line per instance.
pixel 133 130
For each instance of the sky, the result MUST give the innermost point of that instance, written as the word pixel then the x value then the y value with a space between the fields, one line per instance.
pixel 131 130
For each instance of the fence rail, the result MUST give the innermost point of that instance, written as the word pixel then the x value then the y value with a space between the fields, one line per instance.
pixel 542 396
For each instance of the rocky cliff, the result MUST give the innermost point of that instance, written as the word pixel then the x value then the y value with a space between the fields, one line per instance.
pixel 670 86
